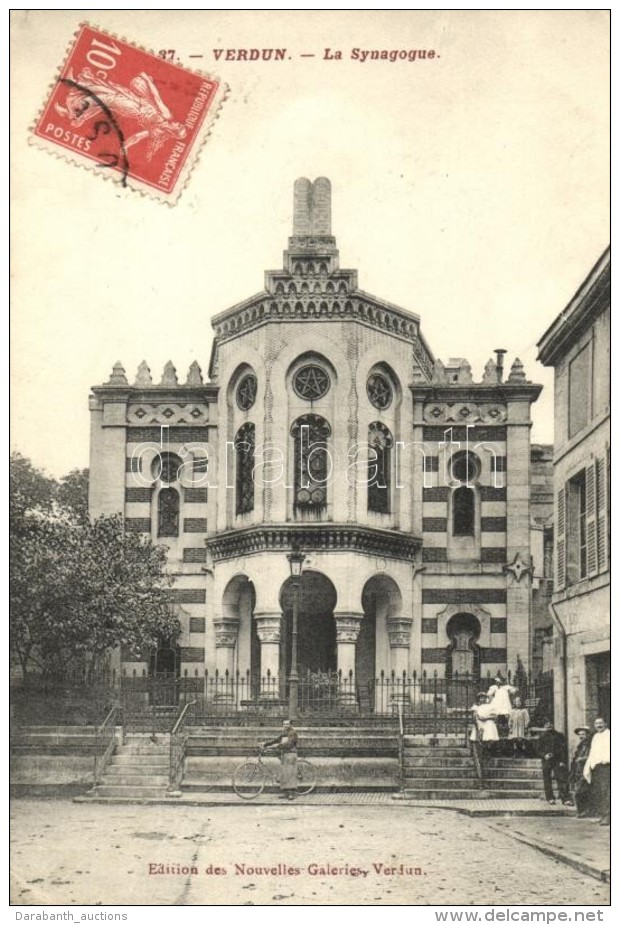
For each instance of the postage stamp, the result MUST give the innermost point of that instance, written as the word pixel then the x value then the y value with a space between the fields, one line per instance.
pixel 126 113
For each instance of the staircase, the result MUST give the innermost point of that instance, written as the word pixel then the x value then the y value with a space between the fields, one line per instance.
pixel 138 769
pixel 446 771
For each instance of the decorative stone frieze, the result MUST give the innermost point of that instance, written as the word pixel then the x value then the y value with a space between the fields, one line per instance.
pixel 399 632
pixel 268 628
pixel 226 631
pixel 391 544
pixel 438 412
pixel 167 413
pixel 348 626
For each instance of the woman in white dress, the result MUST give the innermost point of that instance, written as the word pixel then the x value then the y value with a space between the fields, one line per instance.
pixel 484 728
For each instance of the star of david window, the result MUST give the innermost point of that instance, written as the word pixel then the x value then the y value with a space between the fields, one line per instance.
pixel 245 442
pixel 311 460
pixel 380 443
pixel 311 382
pixel 246 392
pixel 166 467
pixel 379 391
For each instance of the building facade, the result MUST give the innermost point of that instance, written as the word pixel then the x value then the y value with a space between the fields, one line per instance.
pixel 327 425
pixel 577 345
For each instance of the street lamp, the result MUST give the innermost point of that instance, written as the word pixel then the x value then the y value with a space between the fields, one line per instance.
pixel 295 561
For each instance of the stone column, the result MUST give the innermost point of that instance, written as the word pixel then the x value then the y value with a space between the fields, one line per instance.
pixel 269 633
pixel 399 635
pixel 347 630
pixel 226 631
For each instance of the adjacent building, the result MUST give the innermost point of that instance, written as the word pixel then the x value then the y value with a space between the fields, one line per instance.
pixel 577 345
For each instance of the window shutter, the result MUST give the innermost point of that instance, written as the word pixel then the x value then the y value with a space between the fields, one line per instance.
pixel 560 545
pixel 601 520
pixel 591 511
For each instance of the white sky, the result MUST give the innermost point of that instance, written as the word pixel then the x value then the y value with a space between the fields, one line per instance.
pixel 472 190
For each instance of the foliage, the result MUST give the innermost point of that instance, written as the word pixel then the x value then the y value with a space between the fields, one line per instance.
pixel 72 494
pixel 78 589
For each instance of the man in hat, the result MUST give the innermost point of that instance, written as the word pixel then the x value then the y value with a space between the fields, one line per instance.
pixel 552 750
pixel 499 697
pixel 597 770
pixel 581 787
pixel 287 743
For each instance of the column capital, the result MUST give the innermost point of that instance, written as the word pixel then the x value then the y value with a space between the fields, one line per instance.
pixel 399 632
pixel 268 626
pixel 226 630
pixel 348 625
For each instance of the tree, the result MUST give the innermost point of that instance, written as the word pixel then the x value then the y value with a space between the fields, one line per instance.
pixel 78 589
pixel 72 494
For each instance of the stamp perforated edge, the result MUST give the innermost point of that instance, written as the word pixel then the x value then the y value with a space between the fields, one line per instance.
pixel 132 183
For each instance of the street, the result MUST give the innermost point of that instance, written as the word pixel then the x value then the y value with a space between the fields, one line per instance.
pixel 65 853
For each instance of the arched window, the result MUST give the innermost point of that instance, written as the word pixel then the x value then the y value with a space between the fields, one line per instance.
pixel 379 452
pixel 311 461
pixel 245 443
pixel 168 512
pixel 463 511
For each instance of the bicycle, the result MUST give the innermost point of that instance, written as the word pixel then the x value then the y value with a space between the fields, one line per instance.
pixel 251 776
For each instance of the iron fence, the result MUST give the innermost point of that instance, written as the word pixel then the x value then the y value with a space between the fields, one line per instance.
pixel 429 703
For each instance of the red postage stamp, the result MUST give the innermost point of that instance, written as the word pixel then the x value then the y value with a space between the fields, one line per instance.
pixel 129 114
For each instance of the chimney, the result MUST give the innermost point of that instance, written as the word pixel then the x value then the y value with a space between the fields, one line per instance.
pixel 499 362
pixel 312 207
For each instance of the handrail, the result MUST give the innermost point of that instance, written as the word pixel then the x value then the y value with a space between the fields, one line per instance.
pixel 106 740
pixel 178 746
pixel 475 750
pixel 401 742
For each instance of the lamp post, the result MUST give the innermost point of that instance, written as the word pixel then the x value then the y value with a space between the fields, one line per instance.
pixel 295 561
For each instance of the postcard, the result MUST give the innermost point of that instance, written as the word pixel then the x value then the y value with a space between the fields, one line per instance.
pixel 310 469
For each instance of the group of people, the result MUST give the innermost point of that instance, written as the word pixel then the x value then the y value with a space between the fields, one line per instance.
pixel 589 774
pixel 499 713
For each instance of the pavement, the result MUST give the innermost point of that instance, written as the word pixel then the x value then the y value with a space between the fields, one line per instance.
pixel 372 850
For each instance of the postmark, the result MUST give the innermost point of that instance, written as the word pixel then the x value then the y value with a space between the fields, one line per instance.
pixel 128 114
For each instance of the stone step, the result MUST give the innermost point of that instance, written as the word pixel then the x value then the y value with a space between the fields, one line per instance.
pixel 437 773
pixel 512 762
pixel 136 780
pixel 420 751
pixel 108 790
pixel 141 760
pixel 143 750
pixel 471 794
pixel 430 761
pixel 440 783
pixel 135 770
pixel 432 741
pixel 514 772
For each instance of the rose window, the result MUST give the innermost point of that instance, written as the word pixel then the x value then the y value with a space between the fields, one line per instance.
pixel 379 391
pixel 246 392
pixel 311 383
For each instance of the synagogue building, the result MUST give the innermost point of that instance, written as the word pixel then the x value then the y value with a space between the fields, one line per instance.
pixel 325 424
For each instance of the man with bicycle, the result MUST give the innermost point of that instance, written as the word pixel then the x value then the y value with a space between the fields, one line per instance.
pixel 287 743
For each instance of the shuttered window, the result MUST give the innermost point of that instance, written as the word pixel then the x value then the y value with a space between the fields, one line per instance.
pixel 560 558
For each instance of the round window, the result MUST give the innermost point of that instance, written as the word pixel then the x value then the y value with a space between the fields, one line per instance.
pixel 465 466
pixel 166 467
pixel 246 392
pixel 311 382
pixel 379 391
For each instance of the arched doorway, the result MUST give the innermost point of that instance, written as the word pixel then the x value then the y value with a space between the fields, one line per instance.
pixel 462 668
pixel 316 628
pixel 238 603
pixel 381 603
pixel 164 673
